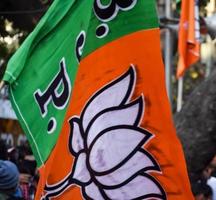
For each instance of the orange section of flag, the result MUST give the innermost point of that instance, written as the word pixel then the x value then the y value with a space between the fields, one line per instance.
pixel 141 49
pixel 188 44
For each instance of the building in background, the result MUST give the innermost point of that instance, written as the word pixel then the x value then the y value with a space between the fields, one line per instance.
pixel 10 130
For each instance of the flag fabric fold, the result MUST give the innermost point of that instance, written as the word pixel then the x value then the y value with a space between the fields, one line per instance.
pixel 189 36
pixel 88 88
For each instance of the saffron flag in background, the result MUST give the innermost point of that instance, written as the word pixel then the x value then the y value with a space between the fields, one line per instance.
pixel 189 36
pixel 88 88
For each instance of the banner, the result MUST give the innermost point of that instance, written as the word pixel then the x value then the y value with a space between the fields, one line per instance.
pixel 6 111
pixel 88 88
pixel 189 36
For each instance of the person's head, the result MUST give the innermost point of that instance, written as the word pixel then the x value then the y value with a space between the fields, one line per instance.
pixel 202 191
pixel 210 169
pixel 3 150
pixel 9 177
pixel 13 155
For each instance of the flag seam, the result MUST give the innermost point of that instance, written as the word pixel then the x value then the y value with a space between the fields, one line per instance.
pixel 11 75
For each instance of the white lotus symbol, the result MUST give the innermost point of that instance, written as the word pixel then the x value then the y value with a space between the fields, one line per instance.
pixel 107 143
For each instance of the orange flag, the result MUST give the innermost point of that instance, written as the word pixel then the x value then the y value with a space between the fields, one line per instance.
pixel 88 88
pixel 189 33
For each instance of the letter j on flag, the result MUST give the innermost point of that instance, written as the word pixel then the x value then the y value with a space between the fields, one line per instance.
pixel 88 88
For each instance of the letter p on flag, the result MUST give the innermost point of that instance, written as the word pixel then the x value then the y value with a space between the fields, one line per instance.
pixel 88 88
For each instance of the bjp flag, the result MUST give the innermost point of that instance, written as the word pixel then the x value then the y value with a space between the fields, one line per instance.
pixel 88 88
pixel 189 36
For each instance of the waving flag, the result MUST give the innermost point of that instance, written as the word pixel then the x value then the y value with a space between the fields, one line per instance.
pixel 189 36
pixel 88 88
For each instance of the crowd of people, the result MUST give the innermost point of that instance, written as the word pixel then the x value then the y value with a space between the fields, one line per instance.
pixel 18 172
pixel 19 175
pixel 205 187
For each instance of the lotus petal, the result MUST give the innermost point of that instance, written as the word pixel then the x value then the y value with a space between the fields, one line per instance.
pixel 81 172
pixel 76 140
pixel 114 94
pixel 141 161
pixel 57 186
pixel 125 115
pixel 142 187
pixel 93 192
pixel 114 146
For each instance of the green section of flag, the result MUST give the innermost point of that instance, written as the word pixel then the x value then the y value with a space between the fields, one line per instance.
pixel 35 66
pixel 141 16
